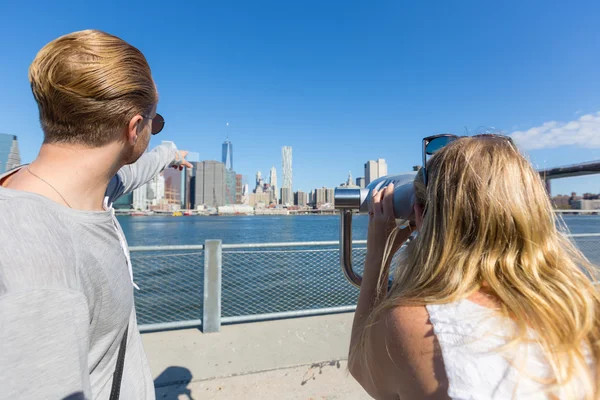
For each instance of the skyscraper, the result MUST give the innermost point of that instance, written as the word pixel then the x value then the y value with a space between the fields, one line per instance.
pixel 227 155
pixel 301 198
pixel 230 187
pixel 360 182
pixel 329 196
pixel 124 202
pixel 273 182
pixel 370 171
pixel 320 197
pixel 287 196
pixel 209 184
pixel 173 188
pixel 140 198
pixel 9 152
pixel 239 188
pixel 374 170
pixel 381 167
pixel 286 159
pixel 187 178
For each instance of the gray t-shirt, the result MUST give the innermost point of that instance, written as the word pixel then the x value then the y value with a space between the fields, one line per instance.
pixel 66 295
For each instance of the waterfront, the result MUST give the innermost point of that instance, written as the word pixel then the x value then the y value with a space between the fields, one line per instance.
pixel 167 230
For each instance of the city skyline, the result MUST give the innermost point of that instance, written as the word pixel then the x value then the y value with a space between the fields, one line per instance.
pixel 9 150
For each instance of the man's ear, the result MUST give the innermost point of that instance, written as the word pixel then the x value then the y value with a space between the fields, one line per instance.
pixel 133 129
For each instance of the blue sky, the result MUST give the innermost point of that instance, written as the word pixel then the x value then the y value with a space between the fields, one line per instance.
pixel 341 82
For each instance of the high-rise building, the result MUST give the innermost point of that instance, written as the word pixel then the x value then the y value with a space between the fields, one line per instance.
pixel 209 184
pixel 174 190
pixel 286 161
pixel 360 182
pixel 287 196
pixel 227 155
pixel 193 156
pixel 374 170
pixel 301 198
pixel 329 196
pixel 187 177
pixel 140 198
pixel 124 202
pixel 273 182
pixel 371 171
pixel 349 182
pixel 320 197
pixel 9 152
pixel 230 187
pixel 259 181
pixel 259 200
pixel 245 194
pixel 239 188
pixel 382 167
pixel 155 193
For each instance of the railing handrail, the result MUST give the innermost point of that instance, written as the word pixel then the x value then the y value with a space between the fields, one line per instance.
pixel 167 248
pixel 281 244
pixel 213 253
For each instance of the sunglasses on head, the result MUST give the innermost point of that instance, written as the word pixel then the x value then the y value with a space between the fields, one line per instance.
pixel 158 123
pixel 432 144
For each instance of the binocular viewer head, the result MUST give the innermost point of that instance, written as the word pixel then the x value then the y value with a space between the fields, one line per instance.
pixel 350 200
pixel 358 199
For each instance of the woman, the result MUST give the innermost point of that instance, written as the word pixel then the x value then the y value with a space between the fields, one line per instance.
pixel 489 300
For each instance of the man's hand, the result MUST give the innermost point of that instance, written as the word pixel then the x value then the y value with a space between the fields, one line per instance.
pixel 183 163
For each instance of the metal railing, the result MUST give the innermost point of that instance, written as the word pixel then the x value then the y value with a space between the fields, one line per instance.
pixel 213 284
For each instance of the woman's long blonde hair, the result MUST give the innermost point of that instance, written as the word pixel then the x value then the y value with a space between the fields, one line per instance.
pixel 488 225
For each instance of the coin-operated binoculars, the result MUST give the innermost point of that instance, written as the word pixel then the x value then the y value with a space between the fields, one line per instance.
pixel 349 200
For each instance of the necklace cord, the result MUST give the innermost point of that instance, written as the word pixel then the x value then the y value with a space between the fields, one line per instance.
pixel 48 183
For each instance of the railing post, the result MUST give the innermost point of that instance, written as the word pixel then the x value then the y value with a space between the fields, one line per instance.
pixel 211 321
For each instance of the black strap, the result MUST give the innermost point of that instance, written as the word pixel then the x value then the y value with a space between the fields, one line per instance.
pixel 118 375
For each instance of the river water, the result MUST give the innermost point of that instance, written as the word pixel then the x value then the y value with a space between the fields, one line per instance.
pixel 167 230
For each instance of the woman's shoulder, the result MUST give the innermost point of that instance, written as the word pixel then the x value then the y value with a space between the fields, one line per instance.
pixel 410 342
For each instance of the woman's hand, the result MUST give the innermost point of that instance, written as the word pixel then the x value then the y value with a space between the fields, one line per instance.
pixel 382 223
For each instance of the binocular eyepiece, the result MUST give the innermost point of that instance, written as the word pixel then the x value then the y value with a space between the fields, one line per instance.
pixel 350 200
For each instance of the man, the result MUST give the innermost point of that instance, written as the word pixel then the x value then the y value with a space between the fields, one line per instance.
pixel 67 320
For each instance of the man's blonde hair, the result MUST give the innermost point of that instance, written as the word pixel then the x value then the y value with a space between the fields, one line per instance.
pixel 88 85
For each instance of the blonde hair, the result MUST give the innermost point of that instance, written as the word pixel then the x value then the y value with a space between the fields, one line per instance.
pixel 88 85
pixel 488 225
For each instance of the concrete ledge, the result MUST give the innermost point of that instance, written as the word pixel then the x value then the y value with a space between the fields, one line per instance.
pixel 285 359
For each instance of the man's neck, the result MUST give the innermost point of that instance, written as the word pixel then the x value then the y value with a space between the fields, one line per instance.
pixel 77 175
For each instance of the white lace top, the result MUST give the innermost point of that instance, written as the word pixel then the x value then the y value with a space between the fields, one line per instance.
pixel 470 336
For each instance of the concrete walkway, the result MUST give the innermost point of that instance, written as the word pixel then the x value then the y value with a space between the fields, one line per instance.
pixel 300 358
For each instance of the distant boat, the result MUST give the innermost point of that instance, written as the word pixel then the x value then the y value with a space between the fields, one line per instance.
pixel 141 213
pixel 187 213
pixel 177 214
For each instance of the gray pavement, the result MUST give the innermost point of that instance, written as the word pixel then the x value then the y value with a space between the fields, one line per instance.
pixel 300 358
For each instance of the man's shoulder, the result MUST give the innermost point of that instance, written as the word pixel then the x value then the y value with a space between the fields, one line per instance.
pixel 38 248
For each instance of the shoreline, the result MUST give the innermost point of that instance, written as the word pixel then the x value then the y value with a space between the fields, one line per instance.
pixel 300 213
